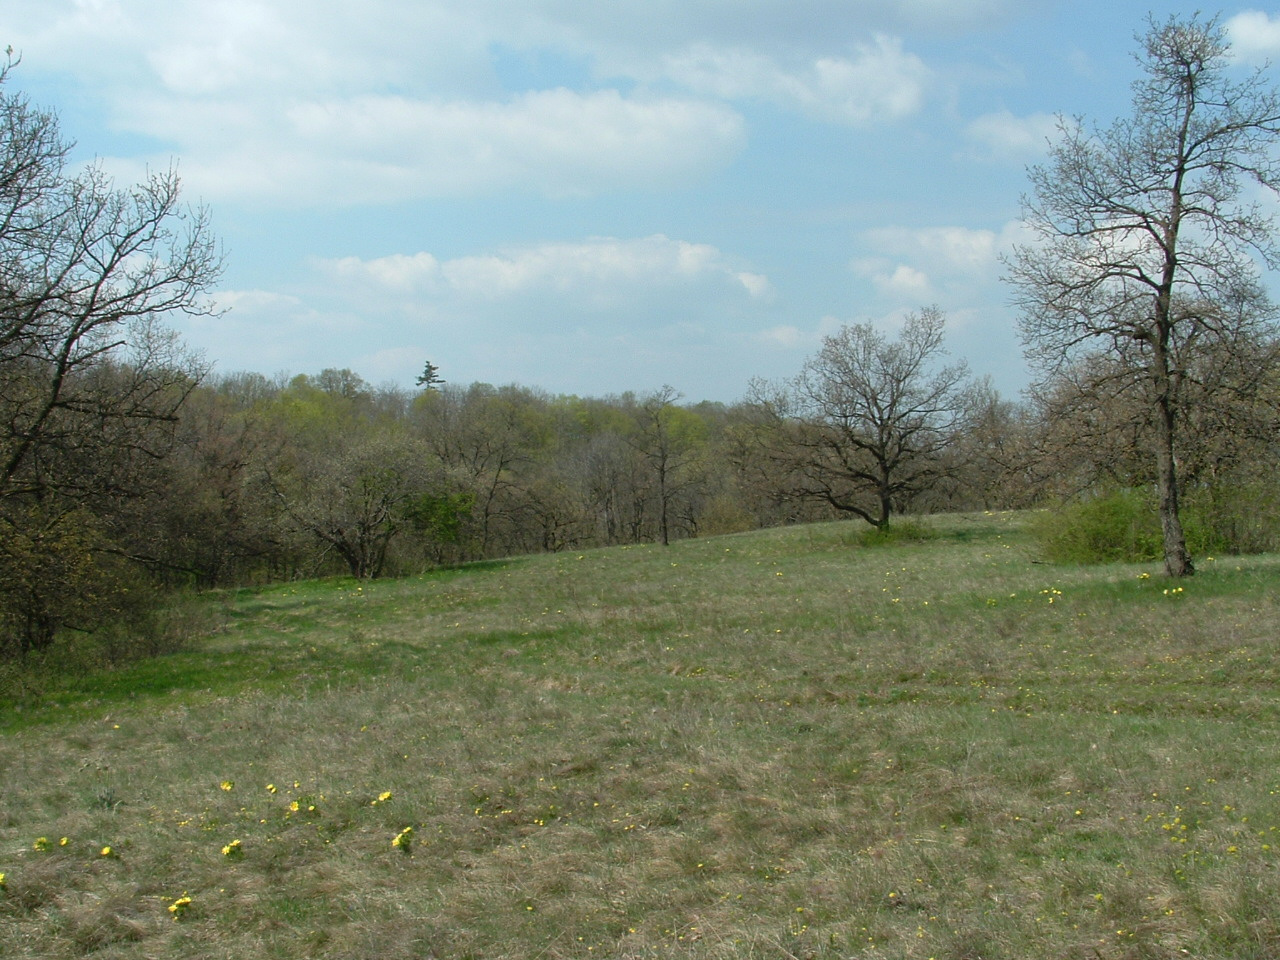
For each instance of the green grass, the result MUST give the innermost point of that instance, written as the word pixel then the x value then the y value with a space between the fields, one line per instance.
pixel 777 744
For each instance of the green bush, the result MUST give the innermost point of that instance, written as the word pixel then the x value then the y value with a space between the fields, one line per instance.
pixel 1114 527
pixel 1123 526
pixel 1243 517
pixel 900 531
pixel 61 579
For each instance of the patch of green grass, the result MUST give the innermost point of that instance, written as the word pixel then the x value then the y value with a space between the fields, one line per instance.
pixel 902 531
pixel 777 744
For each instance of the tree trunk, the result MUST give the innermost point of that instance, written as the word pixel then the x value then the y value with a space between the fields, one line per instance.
pixel 883 494
pixel 663 505
pixel 1177 561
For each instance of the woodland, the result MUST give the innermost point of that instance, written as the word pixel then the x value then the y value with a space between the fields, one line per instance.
pixel 129 471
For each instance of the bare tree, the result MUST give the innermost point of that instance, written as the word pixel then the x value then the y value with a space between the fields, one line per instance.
pixel 864 426
pixel 85 269
pixel 672 443
pixel 354 494
pixel 90 384
pixel 1147 239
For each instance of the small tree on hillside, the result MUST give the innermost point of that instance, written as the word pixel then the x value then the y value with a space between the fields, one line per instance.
pixel 864 426
pixel 430 378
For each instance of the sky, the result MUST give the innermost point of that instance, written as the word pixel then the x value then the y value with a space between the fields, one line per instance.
pixel 590 196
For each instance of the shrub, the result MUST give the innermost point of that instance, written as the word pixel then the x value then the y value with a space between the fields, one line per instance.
pixel 901 531
pixel 64 584
pixel 54 572
pixel 1123 526
pixel 1243 517
pixel 1115 527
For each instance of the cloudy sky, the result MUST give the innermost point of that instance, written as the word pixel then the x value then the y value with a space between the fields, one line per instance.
pixel 590 196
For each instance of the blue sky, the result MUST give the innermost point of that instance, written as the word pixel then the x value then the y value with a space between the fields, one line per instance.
pixel 590 196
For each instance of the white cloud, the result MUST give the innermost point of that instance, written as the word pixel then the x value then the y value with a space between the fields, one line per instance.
pixel 881 82
pixel 756 284
pixel 406 272
pixel 257 47
pixel 382 149
pixel 949 250
pixel 629 314
pixel 904 282
pixel 269 331
pixel 334 105
pixel 1255 36
pixel 223 44
pixel 261 300
pixel 599 269
pixel 786 336
pixel 953 14
pixel 632 27
pixel 1003 136
pixel 955 268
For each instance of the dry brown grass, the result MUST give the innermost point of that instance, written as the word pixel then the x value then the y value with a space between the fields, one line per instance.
pixel 767 745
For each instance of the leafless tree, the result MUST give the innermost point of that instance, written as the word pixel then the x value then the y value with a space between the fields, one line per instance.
pixel 1147 236
pixel 672 442
pixel 90 383
pixel 354 497
pixel 864 426
pixel 85 269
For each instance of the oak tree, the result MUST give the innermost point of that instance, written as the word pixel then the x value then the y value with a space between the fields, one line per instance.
pixel 865 426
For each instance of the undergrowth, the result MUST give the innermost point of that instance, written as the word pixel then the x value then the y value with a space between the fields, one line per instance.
pixel 1123 525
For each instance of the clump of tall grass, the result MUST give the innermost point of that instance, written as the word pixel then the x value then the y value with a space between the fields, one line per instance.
pixel 906 530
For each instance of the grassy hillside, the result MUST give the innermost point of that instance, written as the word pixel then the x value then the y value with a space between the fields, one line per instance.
pixel 778 744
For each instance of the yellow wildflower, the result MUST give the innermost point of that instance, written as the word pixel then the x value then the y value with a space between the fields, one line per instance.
pixel 179 906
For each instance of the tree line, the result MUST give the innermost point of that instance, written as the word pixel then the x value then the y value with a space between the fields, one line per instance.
pixel 255 479
pixel 127 467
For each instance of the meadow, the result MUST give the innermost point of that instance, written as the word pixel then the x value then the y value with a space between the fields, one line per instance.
pixel 782 744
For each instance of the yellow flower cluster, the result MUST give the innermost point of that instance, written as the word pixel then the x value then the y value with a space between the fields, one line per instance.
pixel 179 906
pixel 404 840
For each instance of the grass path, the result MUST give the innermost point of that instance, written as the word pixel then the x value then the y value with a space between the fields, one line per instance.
pixel 778 744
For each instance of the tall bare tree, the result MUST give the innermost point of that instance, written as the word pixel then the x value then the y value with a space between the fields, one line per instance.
pixel 1148 235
